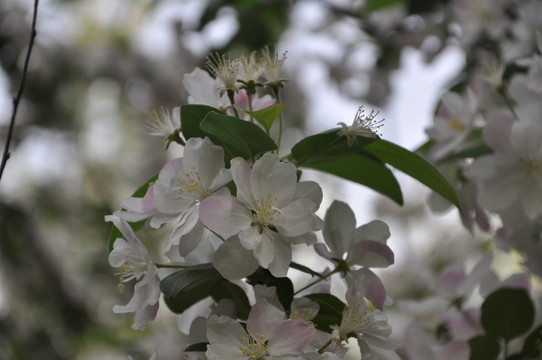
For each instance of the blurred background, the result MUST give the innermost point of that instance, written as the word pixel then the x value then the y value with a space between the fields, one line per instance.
pixel 80 146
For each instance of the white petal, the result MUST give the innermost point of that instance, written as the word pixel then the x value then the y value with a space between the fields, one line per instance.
pixel 233 261
pixel 224 215
pixel 339 225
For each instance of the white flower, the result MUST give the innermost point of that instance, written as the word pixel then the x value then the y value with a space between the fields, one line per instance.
pixel 203 89
pixel 162 122
pixel 270 212
pixel 453 123
pixel 513 173
pixel 363 125
pixel 225 69
pixel 182 184
pixel 272 66
pixel 370 327
pixel 134 262
pixel 268 335
pixel 352 248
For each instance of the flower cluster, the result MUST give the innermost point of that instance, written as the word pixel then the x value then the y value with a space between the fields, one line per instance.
pixel 234 211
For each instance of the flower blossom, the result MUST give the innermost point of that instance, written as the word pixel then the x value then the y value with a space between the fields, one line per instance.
pixel 363 125
pixel 182 184
pixel 369 327
pixel 513 173
pixel 271 211
pixel 134 262
pixel 268 335
pixel 352 248
pixel 165 124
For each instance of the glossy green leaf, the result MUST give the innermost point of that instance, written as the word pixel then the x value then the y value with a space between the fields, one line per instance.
pixel 414 166
pixel 365 170
pixel 266 117
pixel 186 287
pixel 326 146
pixel 284 286
pixel 191 117
pixel 139 193
pixel 484 348
pixel 330 313
pixel 237 137
pixel 507 313
pixel 224 289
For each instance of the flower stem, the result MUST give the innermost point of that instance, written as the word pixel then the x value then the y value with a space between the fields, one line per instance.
pixel 503 93
pixel 321 350
pixel 231 94
pixel 171 266
pixel 317 281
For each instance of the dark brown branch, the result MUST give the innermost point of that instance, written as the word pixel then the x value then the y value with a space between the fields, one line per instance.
pixel 19 94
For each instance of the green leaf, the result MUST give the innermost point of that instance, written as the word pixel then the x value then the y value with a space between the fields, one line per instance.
pixel 507 313
pixel 365 170
pixel 484 348
pixel 224 289
pixel 266 117
pixel 191 117
pixel 139 193
pixel 237 137
pixel 186 287
pixel 533 343
pixel 330 313
pixel 284 286
pixel 414 166
pixel 197 347
pixel 326 146
pixel 372 5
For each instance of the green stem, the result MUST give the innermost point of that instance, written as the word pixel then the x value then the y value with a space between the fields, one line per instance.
pixel 503 93
pixel 231 94
pixel 171 266
pixel 336 270
pixel 321 350
pixel 276 90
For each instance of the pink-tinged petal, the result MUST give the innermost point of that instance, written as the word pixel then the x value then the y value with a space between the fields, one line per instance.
pixel 240 171
pixel 291 338
pixel 464 324
pixel 264 318
pixel 224 215
pixel 526 137
pixel 124 228
pixel 250 237
pixel 518 281
pixel 263 102
pixel 224 334
pixel 372 286
pixel 201 87
pixel 452 277
pixel 478 275
pixel 321 249
pixel 309 190
pixel 191 240
pixel 371 253
pixel 222 178
pixel 497 131
pixel 339 226
pixel 265 251
pixel 186 223
pixel 375 230
pixel 233 261
pixel 298 218
pixel 282 258
pixel 455 350
pixel 143 316
pixel 202 156
pixel 270 176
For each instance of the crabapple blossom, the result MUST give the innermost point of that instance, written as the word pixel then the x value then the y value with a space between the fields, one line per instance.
pixel 513 172
pixel 268 335
pixel 134 262
pixel 352 248
pixel 363 125
pixel 182 184
pixel 270 212
pixel 370 327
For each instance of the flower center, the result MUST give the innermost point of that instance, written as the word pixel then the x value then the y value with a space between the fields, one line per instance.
pixel 265 211
pixel 191 184
pixel 456 124
pixel 254 347
pixel 131 269
pixel 533 168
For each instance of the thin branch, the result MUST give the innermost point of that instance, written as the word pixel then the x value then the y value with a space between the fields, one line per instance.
pixel 19 94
